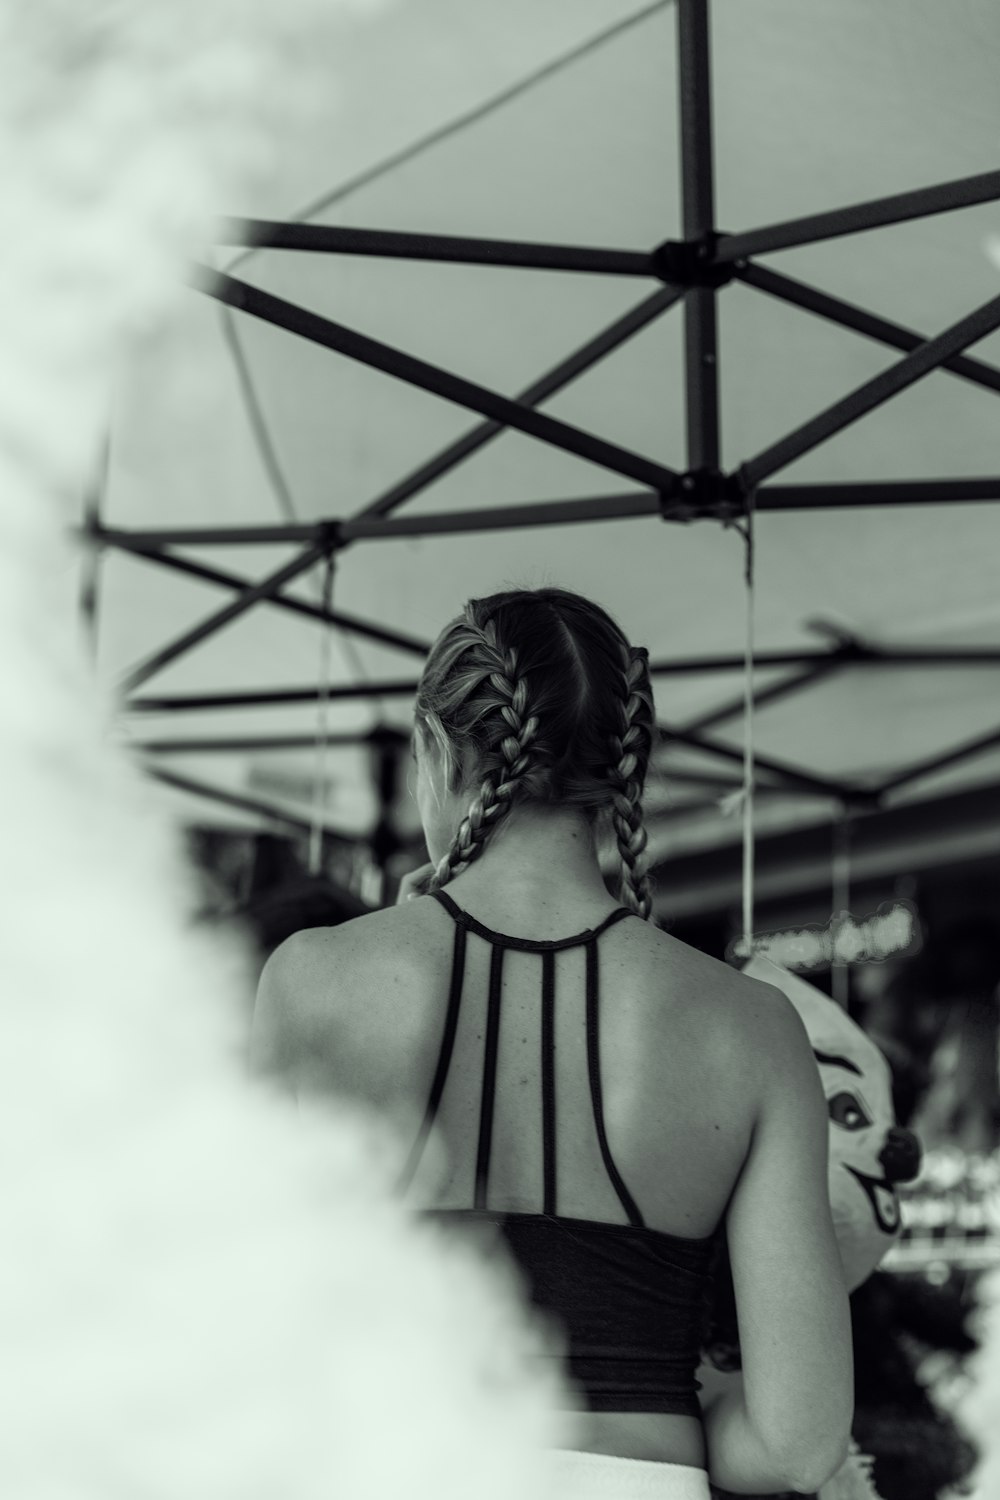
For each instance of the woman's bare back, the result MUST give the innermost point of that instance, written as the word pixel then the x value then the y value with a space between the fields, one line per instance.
pixel 677 1125
pixel 676 1058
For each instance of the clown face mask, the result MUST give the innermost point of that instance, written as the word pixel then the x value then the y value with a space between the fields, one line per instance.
pixel 869 1153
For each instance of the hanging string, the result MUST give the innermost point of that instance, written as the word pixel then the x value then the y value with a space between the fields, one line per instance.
pixel 743 798
pixel 322 725
pixel 748 742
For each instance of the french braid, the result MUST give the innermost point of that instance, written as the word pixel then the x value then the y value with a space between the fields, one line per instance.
pixel 515 731
pixel 630 747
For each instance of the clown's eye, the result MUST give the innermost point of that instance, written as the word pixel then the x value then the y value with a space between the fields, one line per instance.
pixel 847 1110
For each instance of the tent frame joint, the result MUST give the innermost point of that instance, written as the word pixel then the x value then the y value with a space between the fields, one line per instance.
pixel 704 494
pixel 693 263
pixel 330 537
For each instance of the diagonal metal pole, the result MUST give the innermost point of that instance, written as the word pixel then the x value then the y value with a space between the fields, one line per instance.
pixel 244 803
pixel 236 744
pixel 942 198
pixel 432 378
pixel 499 518
pixel 150 539
pixel 876 493
pixel 698 206
pixel 871 656
pixel 793 776
pixel 966 751
pixel 334 239
pixel 929 356
pixel 215 622
pixel 150 544
pixel 685 665
pixel 967 656
pixel 860 320
pixel 761 696
pixel 554 380
pixel 152 553
pixel 265 698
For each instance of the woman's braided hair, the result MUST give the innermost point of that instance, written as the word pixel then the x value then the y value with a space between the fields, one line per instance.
pixel 627 774
pixel 536 696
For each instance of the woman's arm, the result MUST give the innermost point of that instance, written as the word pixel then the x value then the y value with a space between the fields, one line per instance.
pixel 739 1463
pixel 789 1418
pixel 280 1035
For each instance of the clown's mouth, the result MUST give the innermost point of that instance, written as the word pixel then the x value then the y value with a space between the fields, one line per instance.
pixel 885 1204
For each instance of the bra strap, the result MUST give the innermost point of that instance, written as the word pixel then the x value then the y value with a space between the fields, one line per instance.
pixel 489 1077
pixel 594 1070
pixel 549 1081
pixel 451 907
pixel 444 1059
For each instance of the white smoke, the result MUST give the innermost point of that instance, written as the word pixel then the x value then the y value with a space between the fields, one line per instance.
pixel 204 1296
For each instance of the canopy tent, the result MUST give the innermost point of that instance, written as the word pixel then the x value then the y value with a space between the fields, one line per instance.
pixel 438 375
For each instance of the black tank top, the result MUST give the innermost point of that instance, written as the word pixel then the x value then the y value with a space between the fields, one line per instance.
pixel 631 1300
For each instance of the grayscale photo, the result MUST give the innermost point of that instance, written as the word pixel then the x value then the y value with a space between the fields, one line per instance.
pixel 500 581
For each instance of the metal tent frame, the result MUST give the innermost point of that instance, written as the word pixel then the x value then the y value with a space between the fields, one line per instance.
pixel 691 272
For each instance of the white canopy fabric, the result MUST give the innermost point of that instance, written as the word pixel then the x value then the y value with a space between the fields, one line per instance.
pixel 559 124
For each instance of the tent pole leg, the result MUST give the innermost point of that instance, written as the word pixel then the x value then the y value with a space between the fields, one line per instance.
pixel 700 341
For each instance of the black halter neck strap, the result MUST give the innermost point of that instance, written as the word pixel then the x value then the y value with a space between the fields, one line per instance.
pixel 528 945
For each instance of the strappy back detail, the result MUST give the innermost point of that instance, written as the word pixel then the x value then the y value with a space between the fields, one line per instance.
pixel 631 1298
pixel 546 948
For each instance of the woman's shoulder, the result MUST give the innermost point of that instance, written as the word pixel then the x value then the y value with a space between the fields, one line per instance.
pixel 390 935
pixel 340 999
pixel 746 1010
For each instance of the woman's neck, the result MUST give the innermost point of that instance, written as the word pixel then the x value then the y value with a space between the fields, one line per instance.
pixel 538 858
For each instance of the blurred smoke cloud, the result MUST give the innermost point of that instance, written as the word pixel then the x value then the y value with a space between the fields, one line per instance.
pixel 203 1294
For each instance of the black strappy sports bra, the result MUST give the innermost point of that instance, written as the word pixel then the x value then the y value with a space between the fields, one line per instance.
pixel 631 1300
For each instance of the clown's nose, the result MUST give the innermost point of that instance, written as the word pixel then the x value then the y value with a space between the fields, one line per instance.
pixel 900 1156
